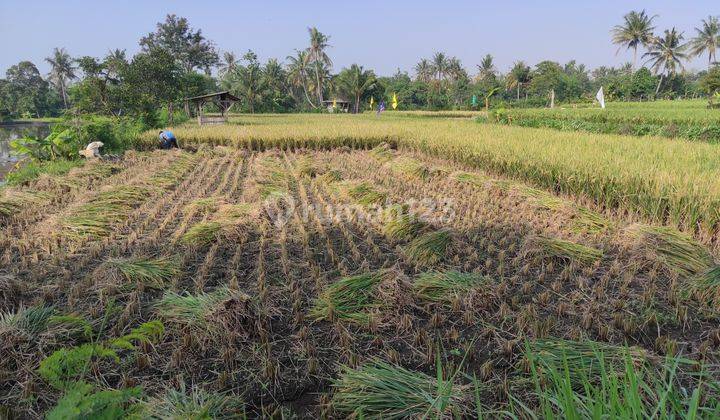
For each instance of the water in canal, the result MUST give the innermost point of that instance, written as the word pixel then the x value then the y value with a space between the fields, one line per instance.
pixel 12 131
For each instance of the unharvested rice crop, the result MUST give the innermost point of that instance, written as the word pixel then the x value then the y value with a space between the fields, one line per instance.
pixel 664 181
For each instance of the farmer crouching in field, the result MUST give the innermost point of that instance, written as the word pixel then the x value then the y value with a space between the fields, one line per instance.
pixel 167 140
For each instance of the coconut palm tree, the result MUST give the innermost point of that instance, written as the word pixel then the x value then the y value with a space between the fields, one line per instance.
pixel 318 58
pixel 355 82
pixel 424 70
pixel 298 73
pixel 519 75
pixel 486 68
pixel 228 65
pixel 707 39
pixel 636 30
pixel 63 70
pixel 454 69
pixel 439 65
pixel 666 54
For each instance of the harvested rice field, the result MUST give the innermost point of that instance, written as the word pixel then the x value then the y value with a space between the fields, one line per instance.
pixel 370 283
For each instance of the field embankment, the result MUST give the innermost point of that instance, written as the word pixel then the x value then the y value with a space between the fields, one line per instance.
pixel 658 180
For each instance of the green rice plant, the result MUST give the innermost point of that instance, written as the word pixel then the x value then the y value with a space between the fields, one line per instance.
pixel 677 251
pixel 379 390
pixel 145 333
pixel 331 176
pixel 540 198
pixel 364 194
pixel 232 212
pixel 15 200
pixel 429 248
pixel 81 401
pixel 707 286
pixel 399 224
pixel 203 233
pixel 150 272
pixel 70 324
pixel 579 357
pixel 107 208
pixel 307 167
pixel 32 320
pixel 350 298
pixel 69 364
pixel 272 179
pixel 587 221
pixel 445 286
pixel 411 167
pixel 587 380
pixel 547 247
pixel 471 178
pixel 167 177
pixel 382 152
pixel 190 310
pixel 194 403
pixel 202 205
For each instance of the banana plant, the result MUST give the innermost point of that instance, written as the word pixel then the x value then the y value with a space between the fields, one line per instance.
pixel 58 143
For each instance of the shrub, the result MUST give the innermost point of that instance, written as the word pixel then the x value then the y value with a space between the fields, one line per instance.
pixel 69 364
pixel 80 401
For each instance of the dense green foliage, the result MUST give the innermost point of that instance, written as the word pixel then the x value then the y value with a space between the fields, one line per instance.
pixel 81 401
pixel 176 62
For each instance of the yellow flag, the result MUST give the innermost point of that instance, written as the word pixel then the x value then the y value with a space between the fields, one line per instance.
pixel 372 101
pixel 394 102
pixel 335 103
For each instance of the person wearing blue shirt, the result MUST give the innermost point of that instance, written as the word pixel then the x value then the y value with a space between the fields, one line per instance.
pixel 167 140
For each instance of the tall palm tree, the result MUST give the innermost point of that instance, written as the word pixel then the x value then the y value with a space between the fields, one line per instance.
pixel 518 76
pixel 454 68
pixel 486 68
pixel 298 73
pixel 355 82
pixel 228 65
pixel 318 57
pixel 666 54
pixel 707 39
pixel 439 63
pixel 115 61
pixel 63 70
pixel 424 70
pixel 636 30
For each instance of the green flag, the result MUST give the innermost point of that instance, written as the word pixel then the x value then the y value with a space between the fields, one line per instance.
pixel 474 100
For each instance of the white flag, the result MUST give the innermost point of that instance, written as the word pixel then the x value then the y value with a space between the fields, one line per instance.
pixel 601 97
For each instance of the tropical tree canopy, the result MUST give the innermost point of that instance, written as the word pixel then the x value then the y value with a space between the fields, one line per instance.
pixel 636 30
pixel 707 39
pixel 188 47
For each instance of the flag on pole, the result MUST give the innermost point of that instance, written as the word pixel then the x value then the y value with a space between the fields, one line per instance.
pixel 474 100
pixel 372 102
pixel 394 101
pixel 335 103
pixel 601 97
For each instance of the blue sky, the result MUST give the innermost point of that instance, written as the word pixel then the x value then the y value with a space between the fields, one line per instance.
pixel 382 35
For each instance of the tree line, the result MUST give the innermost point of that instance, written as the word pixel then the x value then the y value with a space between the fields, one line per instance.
pixel 177 61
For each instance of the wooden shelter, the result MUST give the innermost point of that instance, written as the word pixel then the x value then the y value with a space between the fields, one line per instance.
pixel 337 105
pixel 223 100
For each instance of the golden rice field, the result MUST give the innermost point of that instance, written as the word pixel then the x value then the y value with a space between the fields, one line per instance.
pixel 658 180
pixel 321 282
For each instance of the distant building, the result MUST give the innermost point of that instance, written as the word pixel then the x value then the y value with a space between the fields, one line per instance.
pixel 337 105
